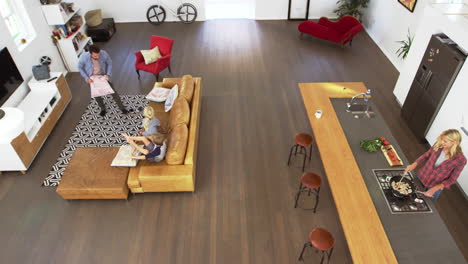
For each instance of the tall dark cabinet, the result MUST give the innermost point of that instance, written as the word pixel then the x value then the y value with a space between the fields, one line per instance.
pixel 436 74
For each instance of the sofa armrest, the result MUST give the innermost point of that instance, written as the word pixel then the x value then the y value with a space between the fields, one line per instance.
pixel 139 57
pixel 169 178
pixel 132 181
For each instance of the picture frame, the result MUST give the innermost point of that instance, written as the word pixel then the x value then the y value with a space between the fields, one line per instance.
pixel 293 6
pixel 408 4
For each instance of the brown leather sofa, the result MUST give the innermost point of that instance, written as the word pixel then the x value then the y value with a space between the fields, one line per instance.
pixel 177 172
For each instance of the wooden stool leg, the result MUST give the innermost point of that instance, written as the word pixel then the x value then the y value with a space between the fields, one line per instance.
pixel 138 72
pixel 303 249
pixel 297 196
pixel 290 153
pixel 329 255
pixel 295 152
pixel 310 155
pixel 316 199
pixel 323 255
pixel 305 157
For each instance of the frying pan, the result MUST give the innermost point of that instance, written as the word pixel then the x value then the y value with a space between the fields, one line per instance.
pixel 405 180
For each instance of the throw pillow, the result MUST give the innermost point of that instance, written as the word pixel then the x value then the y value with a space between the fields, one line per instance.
pixel 151 55
pixel 171 98
pixel 158 94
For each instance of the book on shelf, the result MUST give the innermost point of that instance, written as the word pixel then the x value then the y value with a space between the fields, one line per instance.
pixel 62 30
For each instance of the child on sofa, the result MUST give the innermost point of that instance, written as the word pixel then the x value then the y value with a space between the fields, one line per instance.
pixel 151 125
pixel 154 148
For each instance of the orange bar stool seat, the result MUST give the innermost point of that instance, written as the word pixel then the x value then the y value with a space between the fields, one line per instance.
pixel 302 141
pixel 322 240
pixel 310 183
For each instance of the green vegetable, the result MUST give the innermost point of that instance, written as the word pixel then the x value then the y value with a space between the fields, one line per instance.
pixel 370 145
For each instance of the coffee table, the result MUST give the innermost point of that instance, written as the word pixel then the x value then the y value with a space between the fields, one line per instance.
pixel 89 175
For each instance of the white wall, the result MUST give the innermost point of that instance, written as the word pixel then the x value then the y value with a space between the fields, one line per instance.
pixel 40 46
pixel 455 108
pixel 387 21
pixel 135 11
pixel 274 9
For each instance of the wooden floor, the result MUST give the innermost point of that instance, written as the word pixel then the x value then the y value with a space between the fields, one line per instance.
pixel 242 211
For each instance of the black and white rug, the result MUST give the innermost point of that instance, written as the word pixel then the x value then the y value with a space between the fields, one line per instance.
pixel 94 130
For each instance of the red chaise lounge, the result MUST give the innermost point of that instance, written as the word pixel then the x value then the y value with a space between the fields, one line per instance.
pixel 341 31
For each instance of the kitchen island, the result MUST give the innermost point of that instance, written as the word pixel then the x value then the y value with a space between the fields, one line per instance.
pixel 373 233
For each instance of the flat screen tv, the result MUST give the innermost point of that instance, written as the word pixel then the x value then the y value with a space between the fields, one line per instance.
pixel 10 77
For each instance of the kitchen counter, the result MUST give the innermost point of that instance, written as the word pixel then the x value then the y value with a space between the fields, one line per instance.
pixel 365 235
pixel 372 233
pixel 414 237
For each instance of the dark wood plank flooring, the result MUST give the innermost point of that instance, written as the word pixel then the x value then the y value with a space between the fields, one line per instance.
pixel 242 211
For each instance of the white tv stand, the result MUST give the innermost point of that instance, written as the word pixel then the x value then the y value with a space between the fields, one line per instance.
pixel 42 108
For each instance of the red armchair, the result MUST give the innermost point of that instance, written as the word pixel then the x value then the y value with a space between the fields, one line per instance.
pixel 165 47
pixel 341 31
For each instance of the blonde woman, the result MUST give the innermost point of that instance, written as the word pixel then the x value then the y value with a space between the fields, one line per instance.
pixel 151 124
pixel 441 164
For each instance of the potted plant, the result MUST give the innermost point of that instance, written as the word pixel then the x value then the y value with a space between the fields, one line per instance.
pixel 405 46
pixel 351 8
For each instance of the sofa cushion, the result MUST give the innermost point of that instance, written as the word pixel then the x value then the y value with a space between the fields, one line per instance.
pixel 177 145
pixel 187 87
pixel 180 113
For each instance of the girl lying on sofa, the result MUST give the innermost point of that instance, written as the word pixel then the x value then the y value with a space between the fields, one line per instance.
pixel 154 148
pixel 151 125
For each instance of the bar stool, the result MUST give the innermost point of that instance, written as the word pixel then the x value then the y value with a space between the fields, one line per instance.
pixel 322 240
pixel 303 141
pixel 310 182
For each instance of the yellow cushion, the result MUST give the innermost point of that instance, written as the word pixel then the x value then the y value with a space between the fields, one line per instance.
pixel 151 55
pixel 177 145
pixel 187 87
pixel 180 112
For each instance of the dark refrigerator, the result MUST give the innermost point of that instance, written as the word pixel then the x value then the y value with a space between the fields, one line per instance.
pixel 436 73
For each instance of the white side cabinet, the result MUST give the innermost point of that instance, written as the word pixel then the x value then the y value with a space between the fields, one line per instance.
pixel 72 45
pixel 35 117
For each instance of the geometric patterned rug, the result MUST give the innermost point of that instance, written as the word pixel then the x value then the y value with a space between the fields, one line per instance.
pixel 94 130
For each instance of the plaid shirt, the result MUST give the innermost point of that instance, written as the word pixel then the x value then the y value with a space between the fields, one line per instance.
pixel 446 173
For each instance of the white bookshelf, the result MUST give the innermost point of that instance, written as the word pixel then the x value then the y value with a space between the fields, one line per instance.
pixel 57 16
pixel 70 52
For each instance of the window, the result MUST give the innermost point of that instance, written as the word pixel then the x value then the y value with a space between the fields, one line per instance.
pixel 17 21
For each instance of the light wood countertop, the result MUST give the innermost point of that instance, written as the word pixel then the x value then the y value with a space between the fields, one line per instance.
pixel 365 235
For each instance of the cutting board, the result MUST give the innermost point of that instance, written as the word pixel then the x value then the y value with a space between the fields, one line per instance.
pixel 392 157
